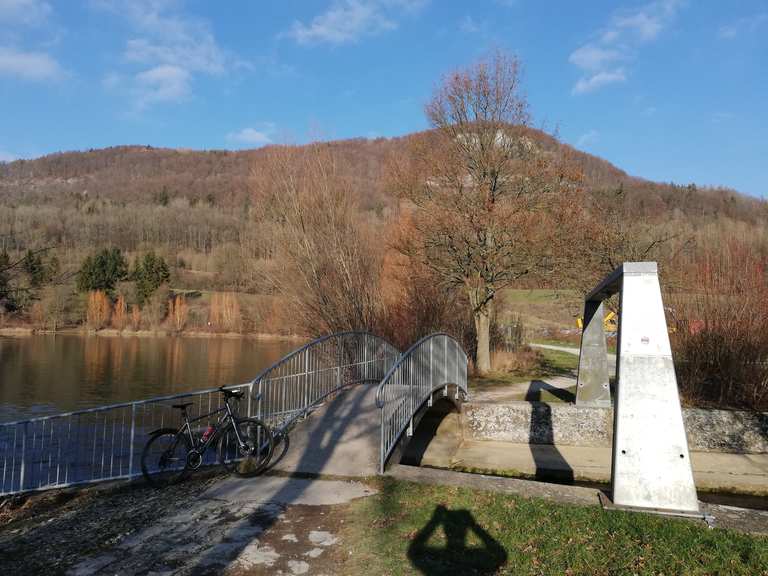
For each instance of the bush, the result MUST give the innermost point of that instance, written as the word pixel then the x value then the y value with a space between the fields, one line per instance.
pixel 98 310
pixel 156 307
pixel 522 361
pixel 178 312
pixel 224 314
pixel 720 340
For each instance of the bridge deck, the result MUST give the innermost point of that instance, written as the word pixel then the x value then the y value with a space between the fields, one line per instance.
pixel 340 438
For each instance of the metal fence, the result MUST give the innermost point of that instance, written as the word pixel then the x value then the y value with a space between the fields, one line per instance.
pixel 432 363
pixel 105 443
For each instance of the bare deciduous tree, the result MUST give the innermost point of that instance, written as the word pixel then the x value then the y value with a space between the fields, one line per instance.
pixel 477 188
pixel 330 264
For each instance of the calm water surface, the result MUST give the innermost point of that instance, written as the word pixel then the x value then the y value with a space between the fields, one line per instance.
pixel 47 374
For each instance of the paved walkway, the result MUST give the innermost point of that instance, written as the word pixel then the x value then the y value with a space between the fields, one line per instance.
pixel 716 472
pixel 562 387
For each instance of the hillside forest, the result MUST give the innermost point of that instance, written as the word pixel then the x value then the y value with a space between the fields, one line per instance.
pixel 402 235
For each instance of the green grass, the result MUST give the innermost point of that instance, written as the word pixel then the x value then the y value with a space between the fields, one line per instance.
pixel 416 529
pixel 558 363
pixel 539 295
pixel 554 363
pixel 611 345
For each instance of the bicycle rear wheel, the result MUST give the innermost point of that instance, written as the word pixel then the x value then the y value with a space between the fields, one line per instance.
pixel 253 456
pixel 164 458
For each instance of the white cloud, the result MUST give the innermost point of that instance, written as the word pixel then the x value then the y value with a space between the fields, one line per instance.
pixel 28 12
pixel 28 65
pixel 7 156
pixel 598 80
pixel 468 25
pixel 617 42
pixel 170 45
pixel 163 83
pixel 252 136
pixel 591 57
pixel 347 21
pixel 587 138
pixel 742 26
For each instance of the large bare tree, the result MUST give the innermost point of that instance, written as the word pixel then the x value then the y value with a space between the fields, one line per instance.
pixel 328 264
pixel 476 186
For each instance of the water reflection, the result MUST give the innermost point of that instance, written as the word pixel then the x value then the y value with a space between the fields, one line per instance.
pixel 46 374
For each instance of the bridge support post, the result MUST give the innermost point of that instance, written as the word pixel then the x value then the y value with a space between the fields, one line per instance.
pixel 651 468
pixel 592 388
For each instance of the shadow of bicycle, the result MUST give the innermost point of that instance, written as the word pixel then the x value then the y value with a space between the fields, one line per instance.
pixel 464 547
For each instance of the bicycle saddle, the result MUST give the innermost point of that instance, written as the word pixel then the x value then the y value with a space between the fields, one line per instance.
pixel 182 406
pixel 230 393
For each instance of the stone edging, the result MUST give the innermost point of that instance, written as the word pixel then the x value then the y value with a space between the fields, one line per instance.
pixel 729 431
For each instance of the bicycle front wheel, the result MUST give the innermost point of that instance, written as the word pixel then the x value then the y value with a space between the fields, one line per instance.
pixel 252 453
pixel 164 459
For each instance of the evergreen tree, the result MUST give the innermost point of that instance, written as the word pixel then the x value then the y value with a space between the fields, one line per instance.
pixel 149 272
pixel 6 297
pixel 102 271
pixel 35 269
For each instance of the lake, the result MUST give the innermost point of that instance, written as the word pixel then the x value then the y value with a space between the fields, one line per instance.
pixel 47 374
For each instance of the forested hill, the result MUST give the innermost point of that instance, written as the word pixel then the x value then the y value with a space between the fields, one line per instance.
pixel 128 174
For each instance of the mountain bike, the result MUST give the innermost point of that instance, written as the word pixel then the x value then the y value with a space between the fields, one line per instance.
pixel 245 445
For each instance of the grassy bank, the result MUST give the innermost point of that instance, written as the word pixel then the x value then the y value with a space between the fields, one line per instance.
pixel 552 363
pixel 416 529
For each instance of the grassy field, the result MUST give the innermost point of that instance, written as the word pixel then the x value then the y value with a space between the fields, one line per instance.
pixel 540 309
pixel 416 529
pixel 554 363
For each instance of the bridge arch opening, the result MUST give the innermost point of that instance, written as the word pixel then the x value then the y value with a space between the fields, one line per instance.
pixel 436 437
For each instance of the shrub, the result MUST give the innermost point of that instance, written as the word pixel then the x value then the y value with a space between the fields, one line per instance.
pixel 720 340
pixel 522 361
pixel 120 315
pixel 156 307
pixel 135 317
pixel 224 314
pixel 178 312
pixel 98 310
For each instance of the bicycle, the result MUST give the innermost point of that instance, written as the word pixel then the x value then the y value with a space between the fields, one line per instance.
pixel 245 445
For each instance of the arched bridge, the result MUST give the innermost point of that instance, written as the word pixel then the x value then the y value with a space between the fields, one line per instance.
pixel 354 433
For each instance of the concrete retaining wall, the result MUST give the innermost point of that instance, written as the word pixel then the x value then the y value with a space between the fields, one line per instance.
pixel 565 424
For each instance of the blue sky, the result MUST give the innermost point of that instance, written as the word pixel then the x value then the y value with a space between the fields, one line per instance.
pixel 671 90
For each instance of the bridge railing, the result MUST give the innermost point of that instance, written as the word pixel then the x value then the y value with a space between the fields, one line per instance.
pixel 105 443
pixel 305 377
pixel 430 364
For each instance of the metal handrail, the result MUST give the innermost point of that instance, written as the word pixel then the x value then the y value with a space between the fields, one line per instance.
pixel 430 364
pixel 315 342
pixel 349 365
pixel 105 443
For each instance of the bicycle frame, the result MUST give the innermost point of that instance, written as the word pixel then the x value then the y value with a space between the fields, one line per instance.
pixel 221 424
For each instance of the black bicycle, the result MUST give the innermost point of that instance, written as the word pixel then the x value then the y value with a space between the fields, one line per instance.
pixel 245 445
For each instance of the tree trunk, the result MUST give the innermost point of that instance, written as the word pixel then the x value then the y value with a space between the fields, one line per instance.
pixel 482 318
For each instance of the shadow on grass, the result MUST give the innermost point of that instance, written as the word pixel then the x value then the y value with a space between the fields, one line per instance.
pixel 467 548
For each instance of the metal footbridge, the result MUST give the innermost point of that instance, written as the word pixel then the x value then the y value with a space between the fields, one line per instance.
pixel 105 443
